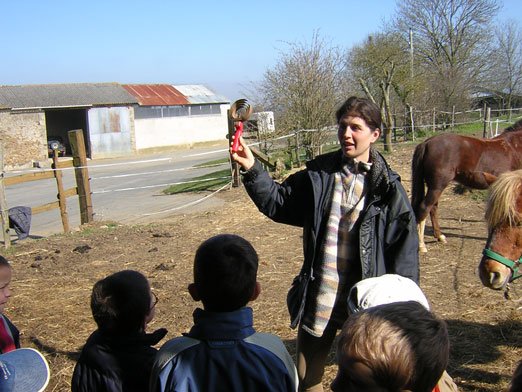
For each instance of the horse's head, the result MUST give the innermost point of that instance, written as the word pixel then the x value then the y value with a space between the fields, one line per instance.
pixel 503 252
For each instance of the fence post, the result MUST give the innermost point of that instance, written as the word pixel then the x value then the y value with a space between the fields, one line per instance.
pixel 433 121
pixel 234 166
pixel 58 175
pixel 3 202
pixel 487 117
pixel 453 117
pixel 297 149
pixel 82 175
pixel 412 122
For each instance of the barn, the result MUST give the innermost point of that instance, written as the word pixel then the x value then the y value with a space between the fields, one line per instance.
pixel 174 115
pixel 116 119
pixel 32 114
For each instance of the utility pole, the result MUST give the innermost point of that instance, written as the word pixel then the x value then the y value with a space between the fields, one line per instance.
pixel 413 90
pixel 411 54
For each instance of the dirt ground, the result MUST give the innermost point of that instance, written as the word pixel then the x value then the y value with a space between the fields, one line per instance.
pixel 53 278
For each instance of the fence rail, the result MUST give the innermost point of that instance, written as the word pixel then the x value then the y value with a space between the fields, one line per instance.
pixel 82 188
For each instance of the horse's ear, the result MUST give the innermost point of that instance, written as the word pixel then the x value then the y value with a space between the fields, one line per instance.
pixel 490 178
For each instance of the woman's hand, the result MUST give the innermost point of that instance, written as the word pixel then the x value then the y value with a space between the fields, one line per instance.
pixel 243 155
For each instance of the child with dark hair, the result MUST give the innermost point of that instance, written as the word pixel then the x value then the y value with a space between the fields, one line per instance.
pixel 399 346
pixel 118 356
pixel 222 351
pixel 9 334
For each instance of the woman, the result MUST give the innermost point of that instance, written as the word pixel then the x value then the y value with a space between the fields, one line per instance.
pixel 357 223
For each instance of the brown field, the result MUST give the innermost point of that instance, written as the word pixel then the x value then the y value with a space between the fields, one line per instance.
pixel 53 278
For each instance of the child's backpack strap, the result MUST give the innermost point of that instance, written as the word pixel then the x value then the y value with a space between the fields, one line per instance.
pixel 275 345
pixel 162 362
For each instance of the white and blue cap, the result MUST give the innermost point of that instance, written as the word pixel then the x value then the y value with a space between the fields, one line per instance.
pixel 23 370
pixel 382 290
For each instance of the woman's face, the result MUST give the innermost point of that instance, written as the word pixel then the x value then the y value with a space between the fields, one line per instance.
pixel 5 291
pixel 356 137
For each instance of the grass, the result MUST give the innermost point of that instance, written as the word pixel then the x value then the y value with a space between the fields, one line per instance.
pixel 208 182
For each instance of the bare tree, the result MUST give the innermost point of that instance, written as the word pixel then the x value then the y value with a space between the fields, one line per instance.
pixel 506 75
pixel 303 90
pixel 380 65
pixel 451 37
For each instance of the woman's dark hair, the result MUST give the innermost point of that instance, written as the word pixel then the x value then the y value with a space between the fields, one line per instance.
pixel 120 302
pixel 363 108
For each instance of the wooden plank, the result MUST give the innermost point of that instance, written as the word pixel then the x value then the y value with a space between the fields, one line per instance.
pixel 3 203
pixel 82 175
pixel 45 207
pixel 28 177
pixel 65 164
pixel 263 158
pixel 62 200
pixel 70 192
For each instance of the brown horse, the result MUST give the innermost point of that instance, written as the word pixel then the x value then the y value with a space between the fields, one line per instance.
pixel 503 251
pixel 444 158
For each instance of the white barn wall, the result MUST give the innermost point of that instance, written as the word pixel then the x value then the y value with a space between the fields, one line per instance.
pixel 175 131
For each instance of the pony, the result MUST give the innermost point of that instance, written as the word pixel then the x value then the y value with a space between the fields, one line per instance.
pixel 502 254
pixel 449 157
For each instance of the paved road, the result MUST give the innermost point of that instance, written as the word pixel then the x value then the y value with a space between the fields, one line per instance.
pixel 126 190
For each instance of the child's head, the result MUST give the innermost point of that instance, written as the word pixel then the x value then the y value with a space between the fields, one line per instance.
pixel 5 280
pixel 225 271
pixel 122 302
pixel 392 347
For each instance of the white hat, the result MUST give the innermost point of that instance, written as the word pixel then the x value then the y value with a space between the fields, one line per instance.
pixel 382 290
pixel 23 370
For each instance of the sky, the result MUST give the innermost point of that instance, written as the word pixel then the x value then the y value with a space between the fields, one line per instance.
pixel 225 45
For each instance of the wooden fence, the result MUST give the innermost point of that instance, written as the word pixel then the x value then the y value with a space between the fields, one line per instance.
pixel 82 189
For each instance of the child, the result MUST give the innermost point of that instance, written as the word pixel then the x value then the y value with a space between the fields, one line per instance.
pixel 118 356
pixel 222 351
pixel 392 347
pixel 390 288
pixel 9 334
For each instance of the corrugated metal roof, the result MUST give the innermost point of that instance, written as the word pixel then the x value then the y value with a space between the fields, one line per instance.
pixel 156 94
pixel 64 95
pixel 197 93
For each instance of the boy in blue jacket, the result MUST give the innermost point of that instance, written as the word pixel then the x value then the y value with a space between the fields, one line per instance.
pixel 222 351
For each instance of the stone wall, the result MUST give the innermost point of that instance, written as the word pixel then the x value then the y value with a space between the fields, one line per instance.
pixel 24 137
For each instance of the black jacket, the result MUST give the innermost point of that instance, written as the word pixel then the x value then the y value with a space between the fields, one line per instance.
pixel 388 239
pixel 116 363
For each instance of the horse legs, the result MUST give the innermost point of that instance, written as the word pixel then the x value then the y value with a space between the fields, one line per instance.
pixel 429 206
pixel 435 223
pixel 420 229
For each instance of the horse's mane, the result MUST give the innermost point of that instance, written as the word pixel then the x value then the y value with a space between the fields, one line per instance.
pixel 501 204
pixel 515 127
